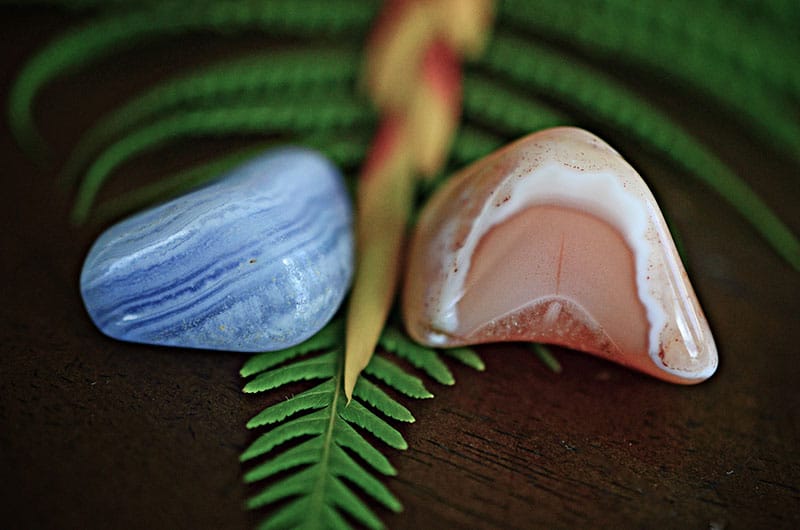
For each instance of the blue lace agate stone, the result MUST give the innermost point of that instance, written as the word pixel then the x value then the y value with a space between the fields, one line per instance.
pixel 258 260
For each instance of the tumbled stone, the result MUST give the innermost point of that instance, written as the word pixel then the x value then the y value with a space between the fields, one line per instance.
pixel 556 239
pixel 258 260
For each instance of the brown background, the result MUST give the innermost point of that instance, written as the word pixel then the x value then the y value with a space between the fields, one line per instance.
pixel 97 434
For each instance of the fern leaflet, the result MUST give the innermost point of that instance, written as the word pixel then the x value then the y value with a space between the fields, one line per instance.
pixel 121 30
pixel 250 78
pixel 308 116
pixel 316 472
pixel 600 96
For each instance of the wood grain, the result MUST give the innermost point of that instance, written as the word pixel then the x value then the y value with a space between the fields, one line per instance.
pixel 100 434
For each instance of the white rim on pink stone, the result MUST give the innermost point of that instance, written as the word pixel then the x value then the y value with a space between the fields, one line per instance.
pixel 571 170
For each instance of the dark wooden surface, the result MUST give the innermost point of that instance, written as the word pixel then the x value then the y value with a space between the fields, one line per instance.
pixel 100 434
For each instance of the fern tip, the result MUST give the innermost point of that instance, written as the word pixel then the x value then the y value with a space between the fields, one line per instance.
pixel 253 424
pixel 547 358
pixel 248 389
pixel 78 215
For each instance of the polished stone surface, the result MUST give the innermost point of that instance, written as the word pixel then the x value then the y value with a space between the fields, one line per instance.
pixel 555 238
pixel 258 260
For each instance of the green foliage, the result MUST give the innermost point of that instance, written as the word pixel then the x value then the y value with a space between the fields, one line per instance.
pixel 466 356
pixel 173 185
pixel 345 152
pixel 80 5
pixel 546 357
pixel 120 30
pixel 744 65
pixel 472 143
pixel 329 454
pixel 606 100
pixel 502 95
pixel 318 465
pixel 513 114
pixel 304 73
pixel 286 116
pixel 421 357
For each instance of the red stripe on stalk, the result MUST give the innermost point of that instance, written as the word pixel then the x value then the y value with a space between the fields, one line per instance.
pixel 412 71
pixel 385 146
pixel 435 107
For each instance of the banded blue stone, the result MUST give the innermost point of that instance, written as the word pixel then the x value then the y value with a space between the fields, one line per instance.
pixel 258 260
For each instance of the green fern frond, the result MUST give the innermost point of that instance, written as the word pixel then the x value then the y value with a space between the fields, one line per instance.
pixel 396 378
pixel 603 99
pixel 80 5
pixel 274 117
pixel 690 39
pixel 319 469
pixel 326 338
pixel 546 357
pixel 345 152
pixel 371 393
pixel 311 399
pixel 361 416
pixel 467 357
pixel 426 359
pixel 472 143
pixel 175 184
pixel 304 73
pixel 731 59
pixel 515 115
pixel 314 451
pixel 778 14
pixel 312 368
pixel 116 32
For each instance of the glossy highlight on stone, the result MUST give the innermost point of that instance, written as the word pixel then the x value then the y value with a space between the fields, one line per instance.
pixel 556 239
pixel 258 260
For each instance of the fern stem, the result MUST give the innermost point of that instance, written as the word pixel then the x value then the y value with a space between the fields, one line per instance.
pixel 306 116
pixel 319 490
pixel 317 496
pixel 115 32
pixel 605 100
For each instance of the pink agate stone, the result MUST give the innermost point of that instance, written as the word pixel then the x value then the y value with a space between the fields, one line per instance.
pixel 556 239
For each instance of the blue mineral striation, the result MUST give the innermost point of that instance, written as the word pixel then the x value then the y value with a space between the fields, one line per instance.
pixel 258 260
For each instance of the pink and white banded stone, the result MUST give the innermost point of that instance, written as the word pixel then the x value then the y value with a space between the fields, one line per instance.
pixel 556 239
